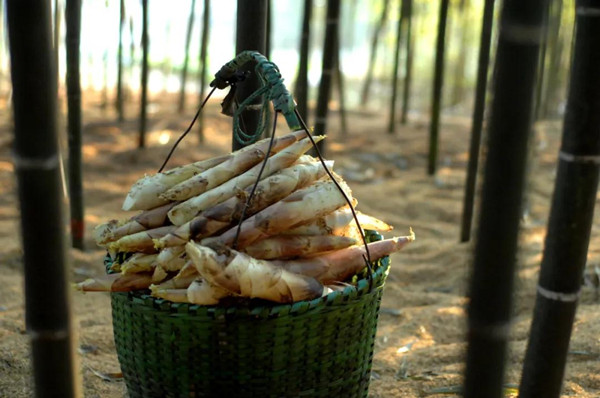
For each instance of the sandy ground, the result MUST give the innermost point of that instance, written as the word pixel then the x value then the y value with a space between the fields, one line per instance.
pixel 419 348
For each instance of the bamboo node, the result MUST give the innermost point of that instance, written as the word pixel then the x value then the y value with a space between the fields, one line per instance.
pixel 558 296
pixel 48 163
pixel 494 331
pixel 60 334
pixel 569 157
pixel 587 12
pixel 522 34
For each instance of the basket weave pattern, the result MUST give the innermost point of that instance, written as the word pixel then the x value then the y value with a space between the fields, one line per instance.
pixel 317 348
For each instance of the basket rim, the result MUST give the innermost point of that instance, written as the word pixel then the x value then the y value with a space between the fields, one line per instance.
pixel 359 287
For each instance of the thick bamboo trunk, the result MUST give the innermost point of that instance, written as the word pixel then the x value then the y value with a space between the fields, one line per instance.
pixel 477 125
pixel 73 22
pixel 410 37
pixel 301 92
pixel 144 80
pixel 251 34
pixel 438 82
pixel 571 215
pixel 495 253
pixel 392 121
pixel 36 158
pixel 329 48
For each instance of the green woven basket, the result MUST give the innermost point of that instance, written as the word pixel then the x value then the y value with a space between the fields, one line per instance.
pixel 317 348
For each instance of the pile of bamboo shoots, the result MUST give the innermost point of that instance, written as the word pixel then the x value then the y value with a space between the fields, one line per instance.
pixel 298 240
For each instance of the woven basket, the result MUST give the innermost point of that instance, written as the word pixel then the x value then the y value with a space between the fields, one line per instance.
pixel 317 348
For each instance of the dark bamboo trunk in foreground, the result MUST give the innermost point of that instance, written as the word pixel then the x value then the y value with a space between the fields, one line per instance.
pixel 438 82
pixel 301 92
pixel 373 57
pixel 36 158
pixel 186 59
pixel 401 16
pixel 495 253
pixel 73 19
pixel 144 82
pixel 478 114
pixel 571 216
pixel 251 34
pixel 329 48
pixel 203 66
pixel 119 102
pixel 407 12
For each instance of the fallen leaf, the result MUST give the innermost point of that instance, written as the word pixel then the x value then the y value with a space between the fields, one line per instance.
pixel 110 377
pixel 87 349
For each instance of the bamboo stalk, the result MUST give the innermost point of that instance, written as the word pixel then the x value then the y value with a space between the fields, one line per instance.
pixel 131 48
pixel 119 101
pixel 571 215
pixel 203 66
pixel 494 261
pixel 539 90
pixel 478 113
pixel 186 59
pixel 268 30
pixel 555 48
pixel 373 55
pixel 438 82
pixel 339 78
pixel 301 90
pixel 251 34
pixel 57 22
pixel 409 60
pixel 73 25
pixel 401 17
pixel 144 82
pixel 458 87
pixel 328 62
pixel 36 158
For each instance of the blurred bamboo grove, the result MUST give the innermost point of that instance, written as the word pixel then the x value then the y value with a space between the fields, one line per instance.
pixel 359 20
pixel 411 60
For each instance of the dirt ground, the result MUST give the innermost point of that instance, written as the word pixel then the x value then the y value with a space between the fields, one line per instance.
pixel 420 342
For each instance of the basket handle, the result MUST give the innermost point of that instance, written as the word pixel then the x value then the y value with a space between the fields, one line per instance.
pixel 272 89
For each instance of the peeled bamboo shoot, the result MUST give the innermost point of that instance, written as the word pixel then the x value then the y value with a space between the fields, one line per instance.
pixel 288 246
pixel 172 258
pixel 268 191
pixel 115 283
pixel 149 219
pixel 237 163
pixel 189 209
pixel 338 223
pixel 144 194
pixel 139 262
pixel 243 275
pixel 339 265
pixel 141 241
pixel 316 200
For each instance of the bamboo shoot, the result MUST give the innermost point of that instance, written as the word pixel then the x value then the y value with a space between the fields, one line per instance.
pixel 236 163
pixel 249 277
